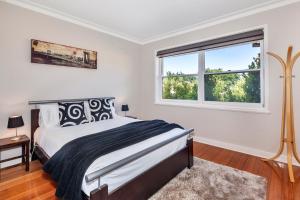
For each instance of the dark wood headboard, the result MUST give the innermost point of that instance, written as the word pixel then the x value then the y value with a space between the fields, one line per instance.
pixel 35 112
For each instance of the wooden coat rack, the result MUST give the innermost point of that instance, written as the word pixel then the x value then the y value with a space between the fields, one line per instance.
pixel 287 123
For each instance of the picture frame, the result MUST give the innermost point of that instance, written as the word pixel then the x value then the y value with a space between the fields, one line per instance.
pixel 56 54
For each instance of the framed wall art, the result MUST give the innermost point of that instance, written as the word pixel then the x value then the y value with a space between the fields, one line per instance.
pixel 57 54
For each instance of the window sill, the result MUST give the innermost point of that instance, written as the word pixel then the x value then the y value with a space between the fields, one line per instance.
pixel 214 106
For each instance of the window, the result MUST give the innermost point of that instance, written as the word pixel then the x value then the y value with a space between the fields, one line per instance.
pixel 225 71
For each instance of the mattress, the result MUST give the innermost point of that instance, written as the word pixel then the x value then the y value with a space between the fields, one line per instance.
pixel 52 139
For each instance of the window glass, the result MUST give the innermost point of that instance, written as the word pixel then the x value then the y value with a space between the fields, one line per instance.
pixel 179 80
pixel 180 87
pixel 181 64
pixel 233 87
pixel 237 57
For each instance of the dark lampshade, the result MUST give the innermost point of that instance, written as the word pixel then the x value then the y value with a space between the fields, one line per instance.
pixel 15 122
pixel 125 107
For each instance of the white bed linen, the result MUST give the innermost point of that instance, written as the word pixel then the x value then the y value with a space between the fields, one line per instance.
pixel 52 139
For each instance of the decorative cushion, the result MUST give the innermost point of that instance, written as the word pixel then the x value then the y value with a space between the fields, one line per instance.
pixel 100 109
pixel 71 113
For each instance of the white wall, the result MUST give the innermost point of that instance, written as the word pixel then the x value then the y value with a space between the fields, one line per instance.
pixel 21 80
pixel 251 132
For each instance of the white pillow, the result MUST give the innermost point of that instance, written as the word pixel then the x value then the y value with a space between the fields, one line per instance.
pixel 49 115
pixel 112 108
pixel 87 111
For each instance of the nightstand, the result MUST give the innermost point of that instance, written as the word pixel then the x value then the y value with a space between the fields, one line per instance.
pixel 133 117
pixel 23 142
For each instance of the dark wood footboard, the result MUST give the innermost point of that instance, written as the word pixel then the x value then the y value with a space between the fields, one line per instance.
pixel 149 182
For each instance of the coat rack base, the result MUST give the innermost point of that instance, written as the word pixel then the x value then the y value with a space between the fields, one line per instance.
pixel 291 152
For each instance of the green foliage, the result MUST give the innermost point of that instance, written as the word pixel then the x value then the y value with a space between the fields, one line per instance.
pixel 252 84
pixel 223 87
pixel 176 86
pixel 233 87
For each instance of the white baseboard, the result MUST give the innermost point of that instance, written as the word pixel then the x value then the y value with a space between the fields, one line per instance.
pixel 241 149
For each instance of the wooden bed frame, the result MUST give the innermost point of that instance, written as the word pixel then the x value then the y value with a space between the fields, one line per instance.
pixel 141 187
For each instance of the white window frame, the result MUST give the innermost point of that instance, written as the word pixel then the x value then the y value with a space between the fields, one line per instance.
pixel 201 103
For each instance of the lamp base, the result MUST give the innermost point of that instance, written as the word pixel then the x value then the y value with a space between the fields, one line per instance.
pixel 16 138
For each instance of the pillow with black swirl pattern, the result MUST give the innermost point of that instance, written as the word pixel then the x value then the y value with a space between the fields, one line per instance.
pixel 100 109
pixel 71 113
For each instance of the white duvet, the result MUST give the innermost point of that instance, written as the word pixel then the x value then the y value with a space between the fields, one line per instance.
pixel 52 139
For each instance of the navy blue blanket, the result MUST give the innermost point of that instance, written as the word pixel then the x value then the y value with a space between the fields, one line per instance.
pixel 68 166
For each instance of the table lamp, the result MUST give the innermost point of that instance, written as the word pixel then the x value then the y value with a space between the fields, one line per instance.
pixel 125 108
pixel 15 122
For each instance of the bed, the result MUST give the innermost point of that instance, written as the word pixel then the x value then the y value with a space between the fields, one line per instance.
pixel 134 172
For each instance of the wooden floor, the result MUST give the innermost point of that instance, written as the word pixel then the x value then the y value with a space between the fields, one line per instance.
pixel 15 183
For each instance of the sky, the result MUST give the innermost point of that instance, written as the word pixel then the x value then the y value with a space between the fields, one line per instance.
pixel 230 58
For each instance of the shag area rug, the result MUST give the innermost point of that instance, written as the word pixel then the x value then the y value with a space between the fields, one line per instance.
pixel 210 181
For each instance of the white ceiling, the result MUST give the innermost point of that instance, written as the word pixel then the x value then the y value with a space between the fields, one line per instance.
pixel 143 21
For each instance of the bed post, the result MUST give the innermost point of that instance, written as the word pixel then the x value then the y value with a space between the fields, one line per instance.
pixel 190 153
pixel 34 125
pixel 100 193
